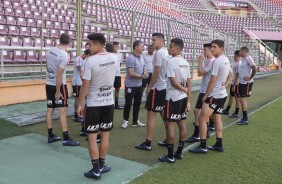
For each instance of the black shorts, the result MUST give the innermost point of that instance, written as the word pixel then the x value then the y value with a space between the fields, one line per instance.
pixel 117 83
pixel 199 103
pixel 175 111
pixel 216 104
pixel 75 90
pixel 232 93
pixel 50 93
pixel 99 119
pixel 244 90
pixel 146 82
pixel 156 100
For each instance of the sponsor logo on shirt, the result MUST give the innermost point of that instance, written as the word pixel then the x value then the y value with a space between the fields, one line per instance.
pixel 105 88
pixel 107 64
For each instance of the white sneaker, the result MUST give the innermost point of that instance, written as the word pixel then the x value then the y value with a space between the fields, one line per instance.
pixel 138 124
pixel 124 124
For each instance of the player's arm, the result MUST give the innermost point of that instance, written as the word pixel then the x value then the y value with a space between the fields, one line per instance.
pixel 210 86
pixel 134 75
pixel 155 75
pixel 189 91
pixel 229 78
pixel 59 77
pixel 176 84
pixel 201 71
pixel 254 71
pixel 83 90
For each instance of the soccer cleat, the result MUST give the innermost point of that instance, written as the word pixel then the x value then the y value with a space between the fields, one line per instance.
pixel 138 124
pixel 243 121
pixel 83 134
pixel 225 112
pixel 143 147
pixel 92 174
pixel 124 124
pixel 163 143
pixel 198 150
pixel 215 148
pixel 54 139
pixel 234 115
pixel 71 142
pixel 78 119
pixel 105 169
pixel 178 156
pixel 211 128
pixel 165 158
pixel 192 139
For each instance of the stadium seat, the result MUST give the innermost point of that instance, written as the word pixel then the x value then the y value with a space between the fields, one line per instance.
pixel 19 13
pixel 31 23
pixel 10 20
pixel 15 41
pixel 7 56
pixel 4 41
pixel 2 19
pixel 19 56
pixel 38 23
pixel 37 42
pixel 48 43
pixel 46 33
pixel 54 33
pixel 3 29
pixel 13 30
pixel 28 14
pixel 53 17
pixel 43 58
pixel 27 42
pixel 37 15
pixel 48 24
pixel 9 11
pixel 21 21
pixel 65 26
pixel 25 31
pixel 31 56
pixel 7 3
pixel 35 32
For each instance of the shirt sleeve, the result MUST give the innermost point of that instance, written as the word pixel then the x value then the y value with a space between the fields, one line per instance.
pixel 251 61
pixel 215 69
pixel 159 58
pixel 170 70
pixel 209 66
pixel 130 62
pixel 87 71
pixel 64 61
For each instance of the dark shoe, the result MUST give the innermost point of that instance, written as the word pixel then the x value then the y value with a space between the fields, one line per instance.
pixel 71 142
pixel 225 112
pixel 243 121
pixel 166 159
pixel 198 150
pixel 192 139
pixel 234 115
pixel 215 148
pixel 143 147
pixel 178 156
pixel 78 119
pixel 163 143
pixel 211 128
pixel 105 169
pixel 92 174
pixel 54 139
pixel 83 134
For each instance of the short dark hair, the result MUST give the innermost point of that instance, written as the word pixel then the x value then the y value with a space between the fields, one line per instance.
pixel 97 37
pixel 86 52
pixel 109 47
pixel 65 39
pixel 115 43
pixel 245 48
pixel 136 43
pixel 159 35
pixel 219 43
pixel 151 46
pixel 207 45
pixel 178 42
pixel 237 53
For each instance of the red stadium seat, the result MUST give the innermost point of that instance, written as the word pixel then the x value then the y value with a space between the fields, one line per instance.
pixel 13 30
pixel 46 33
pixel 3 29
pixel 9 11
pixel 19 56
pixel 57 25
pixel 35 32
pixel 28 14
pixel 48 43
pixel 48 24
pixel 10 20
pixel 4 41
pixel 24 31
pixel 37 15
pixel 54 33
pixel 7 56
pixel 31 23
pixel 31 56
pixel 27 42
pixel 21 21
pixel 43 58
pixel 2 19
pixel 15 41
pixel 37 42
pixel 19 13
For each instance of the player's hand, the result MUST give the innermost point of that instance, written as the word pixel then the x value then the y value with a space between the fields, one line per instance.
pixel 202 57
pixel 188 107
pixel 79 110
pixel 185 90
pixel 204 98
pixel 147 91
pixel 145 75
pixel 58 95
pixel 247 78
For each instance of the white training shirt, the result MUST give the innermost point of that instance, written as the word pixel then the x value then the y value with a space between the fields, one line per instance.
pixel 208 64
pixel 235 67
pixel 178 68
pixel 56 58
pixel 160 59
pixel 245 69
pixel 118 60
pixel 148 62
pixel 100 69
pixel 78 62
pixel 221 69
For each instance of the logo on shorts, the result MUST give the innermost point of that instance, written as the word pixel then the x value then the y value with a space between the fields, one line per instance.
pixel 213 106
pixel 59 102
pixel 184 115
pixel 175 116
pixel 106 126
pixel 159 108
pixel 74 94
pixel 220 110
pixel 93 128
pixel 49 102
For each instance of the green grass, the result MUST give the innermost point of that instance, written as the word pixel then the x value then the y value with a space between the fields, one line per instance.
pixel 8 129
pixel 252 155
pixel 123 141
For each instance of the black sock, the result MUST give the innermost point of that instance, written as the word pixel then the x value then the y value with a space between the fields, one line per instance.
pixel 82 127
pixel 66 135
pixel 95 164
pixel 203 144
pixel 236 111
pixel 116 101
pixel 211 123
pixel 227 108
pixel 101 162
pixel 180 147
pixel 196 131
pixel 50 133
pixel 99 136
pixel 218 142
pixel 75 114
pixel 170 150
pixel 245 115
pixel 147 143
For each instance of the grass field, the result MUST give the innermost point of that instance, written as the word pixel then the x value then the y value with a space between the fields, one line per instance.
pixel 252 155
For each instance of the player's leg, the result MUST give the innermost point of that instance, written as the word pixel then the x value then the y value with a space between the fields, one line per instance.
pixel 182 131
pixel 237 108
pixel 219 128
pixel 136 107
pixel 117 85
pixel 244 92
pixel 230 101
pixel 129 95
pixel 164 142
pixel 170 141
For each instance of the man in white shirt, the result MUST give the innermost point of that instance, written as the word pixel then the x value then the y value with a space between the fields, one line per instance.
pixel 78 67
pixel 215 98
pixel 178 93
pixel 148 58
pixel 98 80
pixel 245 79
pixel 117 84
